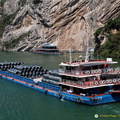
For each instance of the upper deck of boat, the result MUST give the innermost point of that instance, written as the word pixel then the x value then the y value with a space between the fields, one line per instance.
pixel 93 84
pixel 87 64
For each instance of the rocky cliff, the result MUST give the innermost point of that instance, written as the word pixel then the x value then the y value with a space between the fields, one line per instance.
pixel 66 23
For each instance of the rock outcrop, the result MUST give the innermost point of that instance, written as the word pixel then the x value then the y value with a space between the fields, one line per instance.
pixel 66 23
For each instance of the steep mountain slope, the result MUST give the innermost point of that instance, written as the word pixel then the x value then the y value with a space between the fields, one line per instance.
pixel 107 39
pixel 66 23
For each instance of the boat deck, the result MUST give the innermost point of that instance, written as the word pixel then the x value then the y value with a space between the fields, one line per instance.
pixel 82 75
pixel 93 84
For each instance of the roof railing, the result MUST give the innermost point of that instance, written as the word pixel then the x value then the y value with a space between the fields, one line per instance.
pixel 91 72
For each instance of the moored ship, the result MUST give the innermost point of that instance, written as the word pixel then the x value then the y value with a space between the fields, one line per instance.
pixel 86 81
pixel 47 49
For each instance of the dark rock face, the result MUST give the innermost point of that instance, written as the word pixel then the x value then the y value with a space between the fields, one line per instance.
pixel 66 23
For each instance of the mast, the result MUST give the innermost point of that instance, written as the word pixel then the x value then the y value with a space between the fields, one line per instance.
pixel 70 57
pixel 87 57
pixel 87 52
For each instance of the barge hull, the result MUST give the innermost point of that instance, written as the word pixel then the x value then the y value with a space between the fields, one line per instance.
pixel 54 91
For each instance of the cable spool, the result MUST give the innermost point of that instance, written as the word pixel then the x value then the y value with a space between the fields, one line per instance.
pixel 110 81
pixel 30 75
pixel 27 75
pixel 23 74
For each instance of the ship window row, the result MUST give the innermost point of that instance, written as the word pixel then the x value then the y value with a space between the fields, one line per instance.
pixel 88 92
pixel 69 68
pixel 78 79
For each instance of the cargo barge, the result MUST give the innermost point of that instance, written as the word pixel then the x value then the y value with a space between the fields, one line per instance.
pixel 90 82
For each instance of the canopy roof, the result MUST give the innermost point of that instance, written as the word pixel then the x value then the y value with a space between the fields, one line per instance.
pixel 48 45
pixel 86 64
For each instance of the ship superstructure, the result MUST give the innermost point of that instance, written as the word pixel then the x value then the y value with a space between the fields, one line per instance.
pixel 89 82
pixel 47 49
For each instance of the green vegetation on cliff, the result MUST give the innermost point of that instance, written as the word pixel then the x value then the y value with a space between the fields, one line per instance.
pixel 2 2
pixel 4 22
pixel 13 43
pixel 37 1
pixel 22 2
pixel 111 48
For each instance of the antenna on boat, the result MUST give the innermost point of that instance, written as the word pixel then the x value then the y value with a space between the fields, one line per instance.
pixel 97 54
pixel 87 52
pixel 87 57
pixel 70 57
pixel 81 57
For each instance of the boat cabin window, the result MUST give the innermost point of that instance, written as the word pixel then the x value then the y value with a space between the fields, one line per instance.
pixel 70 68
pixel 87 92
pixel 70 78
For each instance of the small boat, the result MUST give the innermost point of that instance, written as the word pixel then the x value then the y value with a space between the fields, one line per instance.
pixel 47 49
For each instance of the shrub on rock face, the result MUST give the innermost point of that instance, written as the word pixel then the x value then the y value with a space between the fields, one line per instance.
pixel 22 2
pixel 2 2
pixel 13 43
pixel 4 22
pixel 37 1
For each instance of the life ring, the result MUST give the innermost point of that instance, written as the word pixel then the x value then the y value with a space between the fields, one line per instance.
pixel 78 100
pixel 87 72
pixel 118 80
pixel 91 84
pixel 117 69
pixel 106 70
pixel 60 96
pixel 114 80
pixel 96 83
pixel 101 82
pixel 111 70
pixel 93 71
pixel 107 81
pixel 96 71
pixel 99 70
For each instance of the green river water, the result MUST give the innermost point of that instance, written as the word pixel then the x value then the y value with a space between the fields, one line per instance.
pixel 18 102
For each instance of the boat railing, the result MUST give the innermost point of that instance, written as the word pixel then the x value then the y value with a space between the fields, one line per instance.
pixel 95 71
pixel 99 71
pixel 92 83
